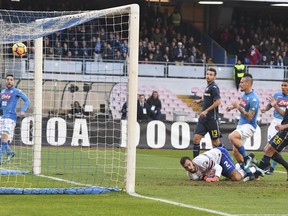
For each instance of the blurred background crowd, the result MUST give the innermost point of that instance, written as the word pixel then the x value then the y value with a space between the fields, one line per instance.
pixel 256 38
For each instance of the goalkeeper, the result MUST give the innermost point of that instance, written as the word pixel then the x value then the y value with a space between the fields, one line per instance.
pixel 9 98
pixel 211 164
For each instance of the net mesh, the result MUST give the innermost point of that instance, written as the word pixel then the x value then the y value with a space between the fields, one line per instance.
pixel 84 59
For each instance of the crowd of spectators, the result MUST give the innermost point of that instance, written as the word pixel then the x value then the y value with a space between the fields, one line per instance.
pixel 161 40
pixel 256 38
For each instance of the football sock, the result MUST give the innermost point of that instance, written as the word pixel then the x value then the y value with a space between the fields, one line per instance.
pixel 8 149
pixel 265 162
pixel 196 150
pixel 242 151
pixel 273 164
pixel 3 148
pixel 279 159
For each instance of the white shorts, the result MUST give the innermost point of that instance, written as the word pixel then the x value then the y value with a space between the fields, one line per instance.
pixel 245 131
pixel 271 129
pixel 7 126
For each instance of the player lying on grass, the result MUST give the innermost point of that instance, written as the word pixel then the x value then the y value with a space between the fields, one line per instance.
pixel 210 165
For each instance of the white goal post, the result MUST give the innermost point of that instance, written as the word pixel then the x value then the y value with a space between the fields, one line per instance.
pixel 59 150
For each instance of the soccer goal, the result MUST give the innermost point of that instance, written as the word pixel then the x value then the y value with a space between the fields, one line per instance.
pixel 80 68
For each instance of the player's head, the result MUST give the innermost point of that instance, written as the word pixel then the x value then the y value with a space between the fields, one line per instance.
pixel 188 164
pixel 211 75
pixel 246 82
pixel 284 87
pixel 9 81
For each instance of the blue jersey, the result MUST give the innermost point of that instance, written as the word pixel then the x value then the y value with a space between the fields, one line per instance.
pixel 249 101
pixel 282 102
pixel 9 100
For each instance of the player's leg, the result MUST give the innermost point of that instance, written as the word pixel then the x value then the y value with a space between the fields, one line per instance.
pixel 10 152
pixel 238 137
pixel 239 158
pixel 9 130
pixel 196 144
pixel 228 166
pixel 279 159
pixel 270 171
pixel 213 128
pixel 199 132
pixel 276 145
pixel 271 131
pixel 4 144
pixel 2 147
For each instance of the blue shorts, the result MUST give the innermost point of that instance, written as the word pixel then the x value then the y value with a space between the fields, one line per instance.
pixel 226 162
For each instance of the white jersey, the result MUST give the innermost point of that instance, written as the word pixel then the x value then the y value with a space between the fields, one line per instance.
pixel 207 163
pixel 271 129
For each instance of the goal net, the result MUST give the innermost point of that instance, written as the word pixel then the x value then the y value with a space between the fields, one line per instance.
pixel 80 68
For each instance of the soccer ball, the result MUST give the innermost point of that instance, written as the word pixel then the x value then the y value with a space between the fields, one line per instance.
pixel 19 49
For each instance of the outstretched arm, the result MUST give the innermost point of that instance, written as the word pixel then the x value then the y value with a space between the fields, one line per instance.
pixel 26 102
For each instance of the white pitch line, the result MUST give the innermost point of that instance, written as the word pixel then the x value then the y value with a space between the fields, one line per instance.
pixel 280 172
pixel 261 215
pixel 158 168
pixel 181 204
pixel 67 181
pixel 200 208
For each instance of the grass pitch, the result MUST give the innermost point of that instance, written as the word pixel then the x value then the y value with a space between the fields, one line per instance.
pixel 159 175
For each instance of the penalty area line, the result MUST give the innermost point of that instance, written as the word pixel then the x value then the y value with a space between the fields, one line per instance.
pixel 181 204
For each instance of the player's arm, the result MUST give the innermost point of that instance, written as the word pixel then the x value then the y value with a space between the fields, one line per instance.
pixel 234 105
pixel 198 101
pixel 211 167
pixel 266 108
pixel 218 170
pixel 273 103
pixel 214 105
pixel 248 115
pixel 281 127
pixel 26 102
pixel 254 105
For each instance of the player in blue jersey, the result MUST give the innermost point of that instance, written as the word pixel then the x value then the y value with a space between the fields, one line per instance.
pixel 210 165
pixel 208 121
pixel 9 98
pixel 248 107
pixel 278 142
pixel 281 99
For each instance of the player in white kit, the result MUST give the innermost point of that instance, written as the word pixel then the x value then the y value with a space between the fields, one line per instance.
pixel 210 165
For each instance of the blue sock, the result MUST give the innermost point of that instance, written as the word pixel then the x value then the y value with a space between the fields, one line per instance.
pixel 8 149
pixel 273 164
pixel 242 151
pixel 3 150
pixel 4 147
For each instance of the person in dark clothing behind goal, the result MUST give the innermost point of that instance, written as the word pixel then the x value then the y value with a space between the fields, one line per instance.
pixel 155 106
pixel 239 71
pixel 208 120
pixel 143 108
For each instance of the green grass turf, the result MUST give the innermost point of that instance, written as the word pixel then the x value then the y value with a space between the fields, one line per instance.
pixel 160 175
